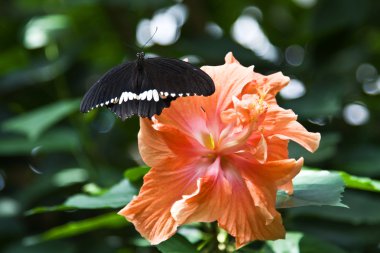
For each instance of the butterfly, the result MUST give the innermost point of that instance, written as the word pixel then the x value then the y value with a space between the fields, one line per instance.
pixel 146 86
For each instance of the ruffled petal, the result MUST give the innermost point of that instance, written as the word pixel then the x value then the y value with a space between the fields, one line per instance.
pixel 283 124
pixel 277 148
pixel 229 80
pixel 163 186
pixel 287 187
pixel 159 142
pixel 207 203
pixel 277 172
pixel 187 115
pixel 197 115
pixel 267 86
pixel 152 147
pixel 177 141
pixel 250 214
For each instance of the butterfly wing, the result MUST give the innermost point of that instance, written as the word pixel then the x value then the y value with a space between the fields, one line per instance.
pixel 108 89
pixel 177 78
pixel 146 86
pixel 165 79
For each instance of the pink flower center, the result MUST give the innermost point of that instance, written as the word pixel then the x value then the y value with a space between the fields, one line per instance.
pixel 241 123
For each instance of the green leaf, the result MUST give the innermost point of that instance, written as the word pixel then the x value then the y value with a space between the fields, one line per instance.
pixel 176 244
pixel 32 124
pixel 118 196
pixel 313 188
pixel 288 245
pixel 46 209
pixel 57 140
pixel 70 176
pixel 362 183
pixel 136 173
pixel 109 220
pixel 309 244
pixel 364 209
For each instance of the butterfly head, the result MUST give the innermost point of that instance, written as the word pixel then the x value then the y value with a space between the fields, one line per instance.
pixel 140 56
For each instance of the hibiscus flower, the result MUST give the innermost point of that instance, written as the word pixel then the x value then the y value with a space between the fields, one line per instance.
pixel 219 158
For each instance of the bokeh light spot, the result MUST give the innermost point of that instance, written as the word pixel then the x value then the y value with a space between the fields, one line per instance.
pixel 248 33
pixel 305 3
pixel 166 26
pixel 143 33
pixel 355 114
pixel 295 89
pixel 9 207
pixel 294 55
pixel 372 87
pixel 104 121
pixel 38 30
pixel 366 73
pixel 180 12
pixel 214 30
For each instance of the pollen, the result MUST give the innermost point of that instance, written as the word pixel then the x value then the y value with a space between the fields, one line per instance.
pixel 208 141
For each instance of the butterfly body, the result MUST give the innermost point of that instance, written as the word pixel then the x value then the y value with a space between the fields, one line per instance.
pixel 146 86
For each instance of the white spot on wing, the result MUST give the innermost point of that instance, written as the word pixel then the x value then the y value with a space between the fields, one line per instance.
pixel 130 95
pixel 123 97
pixel 166 94
pixel 149 96
pixel 143 95
pixel 155 96
pixel 172 94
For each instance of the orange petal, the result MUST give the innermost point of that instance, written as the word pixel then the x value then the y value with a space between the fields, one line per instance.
pixel 191 114
pixel 277 148
pixel 207 203
pixel 178 142
pixel 152 147
pixel 229 80
pixel 282 124
pixel 250 214
pixel 267 86
pixel 281 171
pixel 159 142
pixel 150 210
pixel 287 187
pixel 277 172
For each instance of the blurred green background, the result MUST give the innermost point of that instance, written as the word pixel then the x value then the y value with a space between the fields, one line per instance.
pixel 52 51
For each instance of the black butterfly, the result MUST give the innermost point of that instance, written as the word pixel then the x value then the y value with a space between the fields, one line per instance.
pixel 146 86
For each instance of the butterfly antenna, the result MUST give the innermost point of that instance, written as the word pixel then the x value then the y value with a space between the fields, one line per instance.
pixel 151 37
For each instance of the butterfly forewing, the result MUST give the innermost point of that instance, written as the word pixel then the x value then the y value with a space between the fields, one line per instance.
pixel 146 86
pixel 178 77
